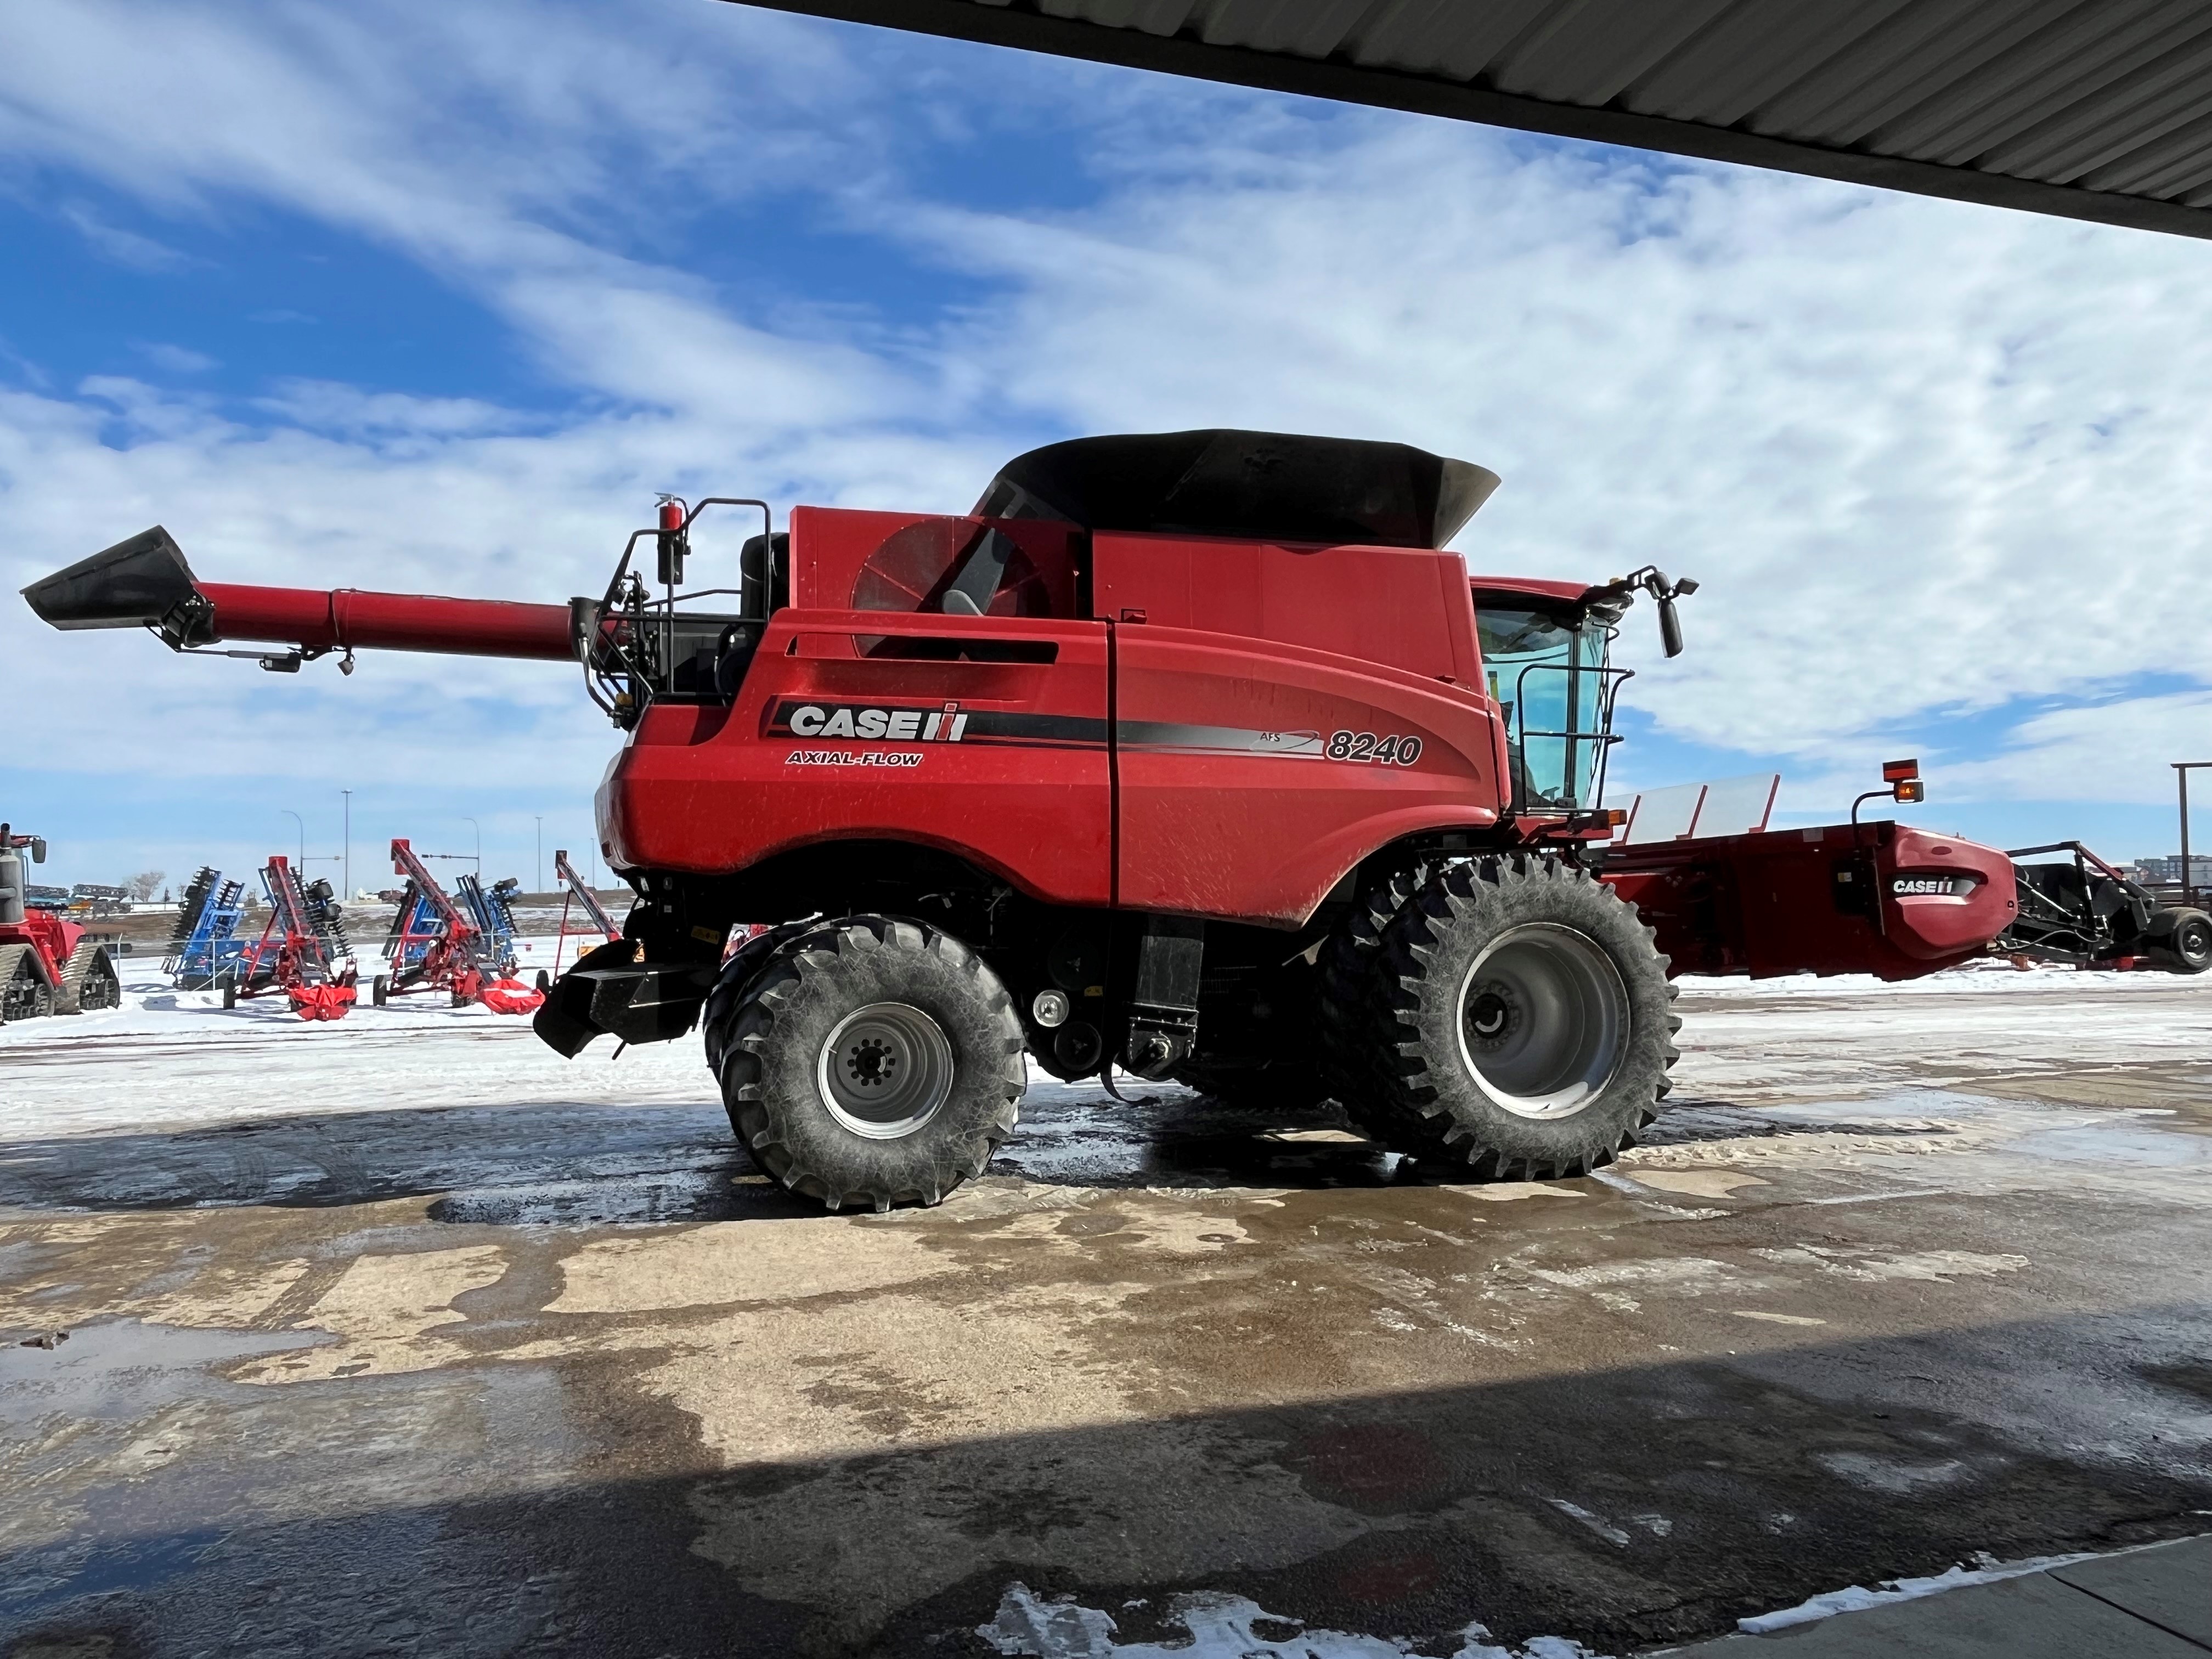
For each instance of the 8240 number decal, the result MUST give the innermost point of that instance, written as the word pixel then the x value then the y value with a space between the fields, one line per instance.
pixel 1388 749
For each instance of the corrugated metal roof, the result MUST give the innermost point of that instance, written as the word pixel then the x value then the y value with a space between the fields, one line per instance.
pixel 2095 109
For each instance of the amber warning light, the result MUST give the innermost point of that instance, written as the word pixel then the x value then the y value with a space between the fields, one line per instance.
pixel 1900 782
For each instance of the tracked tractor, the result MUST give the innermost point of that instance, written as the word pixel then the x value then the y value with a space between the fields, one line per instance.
pixel 47 965
pixel 1188 754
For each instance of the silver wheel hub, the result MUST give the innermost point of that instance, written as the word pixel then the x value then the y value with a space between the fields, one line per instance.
pixel 885 1070
pixel 1543 1020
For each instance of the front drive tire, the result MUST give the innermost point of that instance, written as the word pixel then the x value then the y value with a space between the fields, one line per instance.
pixel 1525 1020
pixel 872 1061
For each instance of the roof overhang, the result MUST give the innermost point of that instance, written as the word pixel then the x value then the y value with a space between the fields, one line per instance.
pixel 2099 110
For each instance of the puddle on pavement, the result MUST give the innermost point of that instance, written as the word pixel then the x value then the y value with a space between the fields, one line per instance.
pixel 81 1570
pixel 121 1370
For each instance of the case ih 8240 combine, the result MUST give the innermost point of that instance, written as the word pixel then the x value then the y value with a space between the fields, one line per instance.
pixel 1188 753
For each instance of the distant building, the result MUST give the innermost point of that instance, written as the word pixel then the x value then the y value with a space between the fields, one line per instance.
pixel 2168 869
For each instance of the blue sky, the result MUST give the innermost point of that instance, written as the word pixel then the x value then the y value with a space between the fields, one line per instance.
pixel 436 298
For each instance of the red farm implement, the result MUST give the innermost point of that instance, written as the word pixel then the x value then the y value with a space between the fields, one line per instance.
pixel 576 895
pixel 303 952
pixel 461 946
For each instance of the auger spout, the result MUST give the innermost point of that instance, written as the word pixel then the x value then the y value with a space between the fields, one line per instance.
pixel 144 582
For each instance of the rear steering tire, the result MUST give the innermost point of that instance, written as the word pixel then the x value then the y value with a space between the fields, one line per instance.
pixel 1523 1023
pixel 872 1061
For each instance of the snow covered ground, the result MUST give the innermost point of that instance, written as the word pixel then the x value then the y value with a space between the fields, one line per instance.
pixel 168 1056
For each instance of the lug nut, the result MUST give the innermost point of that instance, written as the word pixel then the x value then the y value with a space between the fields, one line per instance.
pixel 1050 1009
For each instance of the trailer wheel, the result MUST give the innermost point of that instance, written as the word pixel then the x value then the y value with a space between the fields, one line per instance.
pixel 380 990
pixel 1525 1023
pixel 2186 946
pixel 872 1061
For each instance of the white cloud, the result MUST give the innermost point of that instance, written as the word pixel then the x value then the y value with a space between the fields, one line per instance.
pixel 176 359
pixel 2105 752
pixel 1927 460
pixel 120 246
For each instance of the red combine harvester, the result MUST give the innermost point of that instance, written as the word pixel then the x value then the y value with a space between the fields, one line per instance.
pixel 302 951
pixel 1190 753
pixel 437 945
pixel 47 966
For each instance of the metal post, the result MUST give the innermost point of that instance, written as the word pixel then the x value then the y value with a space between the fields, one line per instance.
pixel 2181 780
pixel 302 822
pixel 2181 771
pixel 346 865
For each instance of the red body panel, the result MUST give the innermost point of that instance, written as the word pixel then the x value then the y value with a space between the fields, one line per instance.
pixel 1222 709
pixel 349 619
pixel 1825 901
pixel 1022 787
pixel 1406 607
pixel 1238 663
pixel 52 941
pixel 1232 803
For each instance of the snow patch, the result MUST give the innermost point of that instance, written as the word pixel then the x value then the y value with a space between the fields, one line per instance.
pixel 1221 1627
pixel 1854 1598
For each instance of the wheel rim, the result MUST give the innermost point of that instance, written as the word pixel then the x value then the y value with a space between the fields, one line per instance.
pixel 885 1070
pixel 1543 1020
pixel 2195 939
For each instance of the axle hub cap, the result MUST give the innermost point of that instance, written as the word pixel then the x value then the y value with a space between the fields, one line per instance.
pixel 1543 1020
pixel 885 1070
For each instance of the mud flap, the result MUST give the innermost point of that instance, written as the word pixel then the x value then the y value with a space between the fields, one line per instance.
pixel 610 990
pixel 563 1020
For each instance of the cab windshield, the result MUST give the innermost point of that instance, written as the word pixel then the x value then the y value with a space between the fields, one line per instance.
pixel 1546 670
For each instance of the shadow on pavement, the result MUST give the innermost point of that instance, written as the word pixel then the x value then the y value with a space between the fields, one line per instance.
pixel 1650 1503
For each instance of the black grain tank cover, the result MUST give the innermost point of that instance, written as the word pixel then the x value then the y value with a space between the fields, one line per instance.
pixel 1271 486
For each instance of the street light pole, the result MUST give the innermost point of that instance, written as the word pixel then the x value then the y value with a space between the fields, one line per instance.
pixel 347 865
pixel 478 828
pixel 302 822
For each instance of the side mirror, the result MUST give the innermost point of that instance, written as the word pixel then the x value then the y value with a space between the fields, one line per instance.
pixel 1670 626
pixel 37 849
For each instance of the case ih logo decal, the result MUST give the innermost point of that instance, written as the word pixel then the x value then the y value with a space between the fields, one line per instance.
pixel 945 723
pixel 1932 886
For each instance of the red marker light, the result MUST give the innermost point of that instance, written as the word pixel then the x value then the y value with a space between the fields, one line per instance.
pixel 1899 771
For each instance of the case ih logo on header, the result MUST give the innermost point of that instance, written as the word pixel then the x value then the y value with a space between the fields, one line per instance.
pixel 941 723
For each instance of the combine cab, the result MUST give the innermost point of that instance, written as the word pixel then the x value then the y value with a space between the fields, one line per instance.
pixel 47 965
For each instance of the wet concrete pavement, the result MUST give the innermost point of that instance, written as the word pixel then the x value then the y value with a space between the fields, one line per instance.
pixel 513 1375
